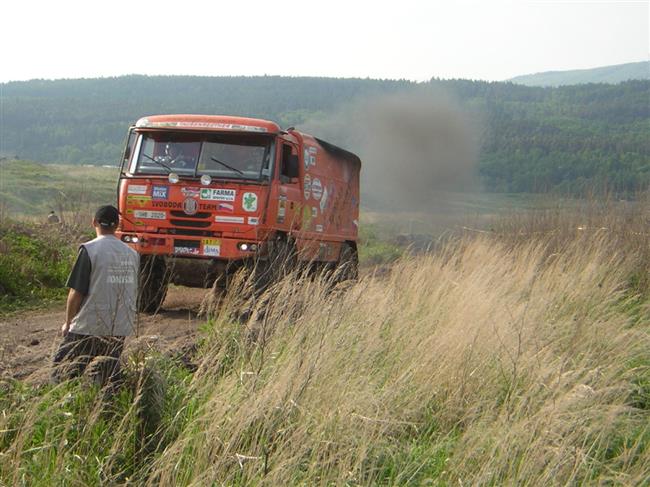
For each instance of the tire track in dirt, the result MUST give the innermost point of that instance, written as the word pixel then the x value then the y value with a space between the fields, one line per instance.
pixel 28 340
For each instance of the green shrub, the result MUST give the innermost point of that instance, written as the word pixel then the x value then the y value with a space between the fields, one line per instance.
pixel 34 264
pixel 375 250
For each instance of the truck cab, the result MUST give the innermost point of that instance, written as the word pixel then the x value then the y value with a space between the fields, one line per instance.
pixel 200 196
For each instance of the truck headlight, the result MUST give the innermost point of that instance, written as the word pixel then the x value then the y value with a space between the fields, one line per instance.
pixel 247 247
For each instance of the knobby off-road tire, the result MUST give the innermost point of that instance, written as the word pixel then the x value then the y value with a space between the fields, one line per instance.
pixel 153 283
pixel 347 268
pixel 281 260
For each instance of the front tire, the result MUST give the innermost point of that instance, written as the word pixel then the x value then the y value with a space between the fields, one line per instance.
pixel 153 283
pixel 347 268
pixel 280 260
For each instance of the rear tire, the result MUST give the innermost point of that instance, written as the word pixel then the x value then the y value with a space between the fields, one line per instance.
pixel 153 283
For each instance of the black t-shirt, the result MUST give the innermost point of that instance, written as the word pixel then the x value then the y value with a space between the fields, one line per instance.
pixel 79 278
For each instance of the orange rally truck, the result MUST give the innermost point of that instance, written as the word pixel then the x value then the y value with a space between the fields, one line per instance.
pixel 201 196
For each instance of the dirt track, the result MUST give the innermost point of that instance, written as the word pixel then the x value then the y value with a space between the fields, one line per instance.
pixel 29 340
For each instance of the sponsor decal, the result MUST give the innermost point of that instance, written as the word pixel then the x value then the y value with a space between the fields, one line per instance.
pixel 314 212
pixel 319 228
pixel 160 192
pixel 316 189
pixel 152 215
pixel 229 219
pixel 323 201
pixel 190 206
pixel 249 202
pixel 323 250
pixel 191 192
pixel 219 194
pixel 310 156
pixel 307 186
pixel 138 200
pixel 137 189
pixel 253 220
pixel 306 216
pixel 212 247
pixel 282 210
pixel 225 207
pixel 166 204
pixel 306 158
pixel 186 250
pixel 145 122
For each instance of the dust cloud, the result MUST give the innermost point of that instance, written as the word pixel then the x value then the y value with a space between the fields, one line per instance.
pixel 416 147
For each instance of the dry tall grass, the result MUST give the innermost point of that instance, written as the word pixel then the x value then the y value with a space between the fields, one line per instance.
pixel 497 361
pixel 486 364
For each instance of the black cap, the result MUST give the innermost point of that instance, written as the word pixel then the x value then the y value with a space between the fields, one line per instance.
pixel 107 216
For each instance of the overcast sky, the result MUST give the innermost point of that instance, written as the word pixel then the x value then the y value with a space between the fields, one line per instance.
pixel 417 40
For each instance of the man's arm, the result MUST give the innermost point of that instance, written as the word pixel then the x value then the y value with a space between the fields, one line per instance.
pixel 79 283
pixel 72 307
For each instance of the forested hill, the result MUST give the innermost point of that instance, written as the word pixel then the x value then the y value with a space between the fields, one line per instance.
pixel 85 120
pixel 534 139
pixel 604 74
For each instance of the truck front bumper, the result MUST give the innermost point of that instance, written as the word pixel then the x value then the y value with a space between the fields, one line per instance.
pixel 188 246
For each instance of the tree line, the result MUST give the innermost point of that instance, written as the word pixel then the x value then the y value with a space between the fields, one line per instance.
pixel 534 139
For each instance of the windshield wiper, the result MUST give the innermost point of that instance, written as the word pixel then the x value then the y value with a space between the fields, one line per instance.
pixel 227 166
pixel 158 162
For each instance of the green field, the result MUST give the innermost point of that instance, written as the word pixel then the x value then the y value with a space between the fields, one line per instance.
pixel 29 190
pixel 35 258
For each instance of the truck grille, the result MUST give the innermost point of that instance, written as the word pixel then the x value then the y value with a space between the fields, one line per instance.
pixel 180 214
pixel 191 233
pixel 190 223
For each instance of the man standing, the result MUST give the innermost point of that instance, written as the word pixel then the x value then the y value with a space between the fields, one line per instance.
pixel 52 219
pixel 101 305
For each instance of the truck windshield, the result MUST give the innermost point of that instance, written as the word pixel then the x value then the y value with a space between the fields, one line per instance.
pixel 228 156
